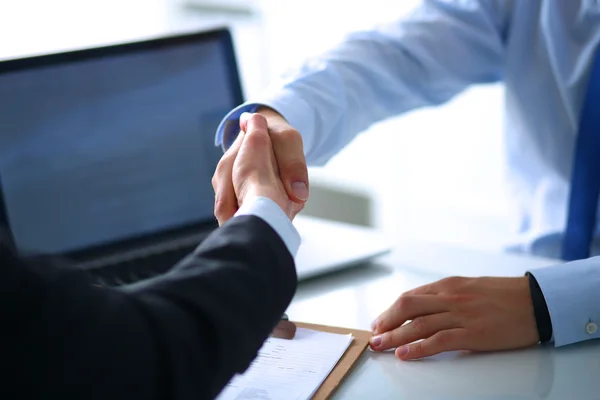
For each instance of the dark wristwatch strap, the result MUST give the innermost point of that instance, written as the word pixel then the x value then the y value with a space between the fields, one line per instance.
pixel 540 309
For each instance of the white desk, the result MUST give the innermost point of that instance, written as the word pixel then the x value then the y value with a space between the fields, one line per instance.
pixel 353 298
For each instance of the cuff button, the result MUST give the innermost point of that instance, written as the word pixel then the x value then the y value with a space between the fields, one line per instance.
pixel 591 328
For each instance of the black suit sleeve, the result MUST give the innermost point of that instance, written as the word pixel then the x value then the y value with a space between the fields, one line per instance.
pixel 180 336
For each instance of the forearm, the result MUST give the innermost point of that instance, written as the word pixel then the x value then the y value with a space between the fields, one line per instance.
pixel 223 301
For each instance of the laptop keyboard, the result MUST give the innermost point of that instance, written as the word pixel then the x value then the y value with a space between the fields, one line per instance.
pixel 136 269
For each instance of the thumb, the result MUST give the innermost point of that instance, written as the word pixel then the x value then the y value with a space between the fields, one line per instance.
pixel 244 119
pixel 255 157
pixel 289 152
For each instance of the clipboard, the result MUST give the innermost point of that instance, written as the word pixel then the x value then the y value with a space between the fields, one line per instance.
pixel 344 366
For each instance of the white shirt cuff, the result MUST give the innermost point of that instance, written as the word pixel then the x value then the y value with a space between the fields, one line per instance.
pixel 272 214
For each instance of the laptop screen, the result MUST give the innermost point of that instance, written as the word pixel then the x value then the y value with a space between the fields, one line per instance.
pixel 105 145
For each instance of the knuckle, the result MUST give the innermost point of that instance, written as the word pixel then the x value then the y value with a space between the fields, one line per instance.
pixel 293 135
pixel 459 299
pixel 383 321
pixel 404 302
pixel 386 340
pixel 451 282
pixel 221 207
pixel 287 135
pixel 257 141
pixel 257 119
pixel 222 167
pixel 444 339
pixel 420 325
pixel 417 349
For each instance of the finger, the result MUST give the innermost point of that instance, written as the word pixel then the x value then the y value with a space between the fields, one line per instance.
pixel 284 330
pixel 244 121
pixel 289 152
pixel 408 307
pixel 254 125
pixel 257 150
pixel 418 328
pixel 226 203
pixel 448 340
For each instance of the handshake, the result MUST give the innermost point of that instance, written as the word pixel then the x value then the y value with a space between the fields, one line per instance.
pixel 266 160
pixel 478 314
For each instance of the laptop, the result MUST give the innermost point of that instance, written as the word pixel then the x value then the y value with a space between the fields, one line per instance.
pixel 235 6
pixel 107 155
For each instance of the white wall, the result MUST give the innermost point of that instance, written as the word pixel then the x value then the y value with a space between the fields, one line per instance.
pixel 434 174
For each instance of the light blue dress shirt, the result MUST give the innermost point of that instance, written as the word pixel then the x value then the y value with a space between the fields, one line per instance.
pixel 540 49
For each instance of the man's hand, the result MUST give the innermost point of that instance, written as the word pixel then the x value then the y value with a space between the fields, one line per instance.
pixel 249 169
pixel 477 314
pixel 289 157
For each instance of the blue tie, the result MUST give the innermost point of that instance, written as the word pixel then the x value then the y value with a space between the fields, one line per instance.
pixel 585 179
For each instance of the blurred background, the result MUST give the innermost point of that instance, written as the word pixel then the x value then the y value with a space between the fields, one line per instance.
pixel 433 174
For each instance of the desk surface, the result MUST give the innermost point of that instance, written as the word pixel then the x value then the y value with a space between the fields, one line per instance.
pixel 353 298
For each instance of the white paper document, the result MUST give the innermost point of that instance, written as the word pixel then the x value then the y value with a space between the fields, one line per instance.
pixel 289 369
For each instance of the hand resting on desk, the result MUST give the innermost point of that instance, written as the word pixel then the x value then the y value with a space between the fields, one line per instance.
pixel 478 314
pixel 557 304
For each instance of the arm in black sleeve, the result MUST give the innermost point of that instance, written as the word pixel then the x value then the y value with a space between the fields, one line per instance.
pixel 180 336
pixel 540 309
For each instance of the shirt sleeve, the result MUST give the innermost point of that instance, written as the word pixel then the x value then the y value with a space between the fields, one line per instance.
pixel 272 214
pixel 572 294
pixel 424 59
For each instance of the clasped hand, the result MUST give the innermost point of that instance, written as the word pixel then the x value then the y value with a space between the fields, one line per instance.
pixel 267 159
